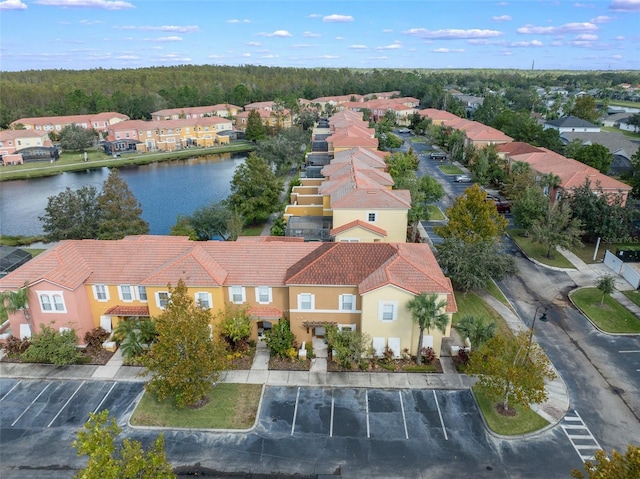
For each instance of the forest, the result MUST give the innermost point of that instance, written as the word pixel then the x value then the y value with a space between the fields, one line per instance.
pixel 139 92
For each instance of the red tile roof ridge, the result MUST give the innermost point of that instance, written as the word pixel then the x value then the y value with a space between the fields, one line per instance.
pixel 356 223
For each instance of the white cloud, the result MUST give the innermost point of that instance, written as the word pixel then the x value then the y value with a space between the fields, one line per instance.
pixel 387 30
pixel 506 53
pixel 625 5
pixel 358 47
pixel 601 19
pixel 448 50
pixel 575 27
pixel 171 28
pixel 533 43
pixel 253 44
pixel 128 57
pixel 619 38
pixel 235 20
pixel 173 38
pixel 311 35
pixel 617 56
pixel 393 46
pixel 452 33
pixel 278 33
pixel 315 15
pixel 328 57
pixel 502 4
pixel 13 5
pixel 335 18
pixel 586 37
pixel 90 22
pixel 102 4
pixel 502 18
pixel 583 5
pixel 339 38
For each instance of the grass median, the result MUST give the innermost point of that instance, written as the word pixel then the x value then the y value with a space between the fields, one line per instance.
pixel 610 316
pixel 538 251
pixel 523 421
pixel 230 406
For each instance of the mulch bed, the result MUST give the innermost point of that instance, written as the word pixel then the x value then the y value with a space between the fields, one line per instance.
pixel 280 364
pixel 396 366
pixel 243 362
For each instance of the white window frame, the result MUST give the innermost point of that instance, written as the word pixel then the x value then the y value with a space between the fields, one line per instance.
pixel 121 293
pixel 382 307
pixel 99 289
pixel 260 290
pixel 144 298
pixel 312 301
pixel 208 298
pixel 341 300
pixel 158 300
pixel 233 291
pixel 347 327
pixel 370 214
pixel 56 307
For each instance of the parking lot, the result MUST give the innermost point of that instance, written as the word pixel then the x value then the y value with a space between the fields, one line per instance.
pixel 376 414
pixel 37 404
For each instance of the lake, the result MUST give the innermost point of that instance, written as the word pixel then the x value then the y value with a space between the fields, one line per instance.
pixel 165 190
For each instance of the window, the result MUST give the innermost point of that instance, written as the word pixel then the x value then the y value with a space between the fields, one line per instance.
pixel 388 311
pixel 371 217
pixel 162 299
pixel 203 300
pixel 305 301
pixel 52 302
pixel 142 293
pixel 237 294
pixel 347 302
pixel 101 292
pixel 125 292
pixel 545 191
pixel 263 294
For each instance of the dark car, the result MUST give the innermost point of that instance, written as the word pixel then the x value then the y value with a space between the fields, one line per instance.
pixel 503 206
pixel 438 156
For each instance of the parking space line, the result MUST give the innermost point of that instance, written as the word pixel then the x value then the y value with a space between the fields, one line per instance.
pixel 366 405
pixel 295 412
pixel 444 430
pixel 66 404
pixel 333 400
pixel 10 390
pixel 104 398
pixel 32 402
pixel 404 418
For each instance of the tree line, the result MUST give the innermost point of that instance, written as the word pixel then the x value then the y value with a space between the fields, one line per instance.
pixel 139 92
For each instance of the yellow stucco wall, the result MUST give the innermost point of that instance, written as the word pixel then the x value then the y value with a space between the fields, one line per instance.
pixel 361 234
pixel 393 221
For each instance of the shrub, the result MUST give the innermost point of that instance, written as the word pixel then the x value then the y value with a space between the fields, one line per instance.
pixel 51 346
pixel 387 354
pixel 133 335
pixel 280 339
pixel 428 355
pixel 15 346
pixel 351 347
pixel 236 327
pixel 94 338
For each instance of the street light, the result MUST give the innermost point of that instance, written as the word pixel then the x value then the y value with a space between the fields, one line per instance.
pixel 543 318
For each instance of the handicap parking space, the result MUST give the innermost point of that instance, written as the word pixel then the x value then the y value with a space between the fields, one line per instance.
pixel 41 404
pixel 373 414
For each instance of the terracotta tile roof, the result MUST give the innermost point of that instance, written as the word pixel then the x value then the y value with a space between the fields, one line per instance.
pixel 517 148
pixel 358 224
pixel 13 134
pixel 196 110
pixel 71 119
pixel 265 312
pixel 123 310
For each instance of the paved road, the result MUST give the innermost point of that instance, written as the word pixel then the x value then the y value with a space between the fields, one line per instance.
pixel 356 432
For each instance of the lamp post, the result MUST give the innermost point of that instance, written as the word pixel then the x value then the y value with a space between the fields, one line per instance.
pixel 543 318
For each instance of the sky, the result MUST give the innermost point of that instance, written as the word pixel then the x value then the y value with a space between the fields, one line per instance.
pixel 520 34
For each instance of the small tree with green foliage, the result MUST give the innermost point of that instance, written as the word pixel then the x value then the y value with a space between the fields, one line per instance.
pixel 616 465
pixel 606 284
pixel 51 346
pixel 184 360
pixel 351 347
pixel 512 369
pixel 134 336
pixel 529 206
pixel 428 313
pixel 76 138
pixel 478 329
pixel 72 214
pixel 280 340
pixel 235 325
pixel 13 301
pixel 120 212
pixel 108 461
pixel 255 128
pixel 557 228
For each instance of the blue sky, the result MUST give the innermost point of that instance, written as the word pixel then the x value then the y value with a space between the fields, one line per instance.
pixel 85 34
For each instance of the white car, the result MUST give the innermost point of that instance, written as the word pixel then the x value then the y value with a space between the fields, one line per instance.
pixel 463 179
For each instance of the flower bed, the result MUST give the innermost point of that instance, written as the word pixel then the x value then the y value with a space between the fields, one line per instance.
pixel 280 364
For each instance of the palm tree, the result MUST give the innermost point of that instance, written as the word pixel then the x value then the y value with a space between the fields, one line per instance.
pixel 426 311
pixel 477 329
pixel 606 284
pixel 14 301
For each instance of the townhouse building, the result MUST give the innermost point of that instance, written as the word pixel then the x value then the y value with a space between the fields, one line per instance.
pixel 269 117
pixel 223 110
pixel 167 135
pixel 358 286
pixel 20 146
pixel 98 121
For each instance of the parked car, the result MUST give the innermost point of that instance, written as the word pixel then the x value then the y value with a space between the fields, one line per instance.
pixel 503 206
pixel 463 179
pixel 438 156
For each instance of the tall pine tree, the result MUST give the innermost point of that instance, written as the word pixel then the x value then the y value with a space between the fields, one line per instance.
pixel 120 212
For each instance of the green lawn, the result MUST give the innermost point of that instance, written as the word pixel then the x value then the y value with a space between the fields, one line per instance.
pixel 451 170
pixel 633 296
pixel 252 230
pixel 471 303
pixel 613 129
pixel 611 317
pixel 418 139
pixel 523 422
pixel 630 104
pixel 493 290
pixel 231 406
pixel 538 251
pixel 435 213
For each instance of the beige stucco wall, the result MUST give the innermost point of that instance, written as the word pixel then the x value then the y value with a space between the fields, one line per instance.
pixel 393 221
pixel 403 327
pixel 361 234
